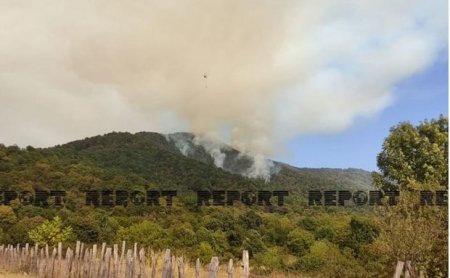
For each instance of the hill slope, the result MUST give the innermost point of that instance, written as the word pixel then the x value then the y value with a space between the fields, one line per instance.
pixel 152 160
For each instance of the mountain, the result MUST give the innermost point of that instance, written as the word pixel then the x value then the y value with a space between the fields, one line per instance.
pixel 279 174
pixel 145 160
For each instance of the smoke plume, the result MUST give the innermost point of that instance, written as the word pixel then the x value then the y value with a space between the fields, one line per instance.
pixel 274 69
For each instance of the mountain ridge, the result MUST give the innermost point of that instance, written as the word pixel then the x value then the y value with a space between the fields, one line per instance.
pixel 233 161
pixel 150 160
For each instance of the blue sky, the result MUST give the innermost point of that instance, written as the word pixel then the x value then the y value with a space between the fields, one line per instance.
pixel 422 96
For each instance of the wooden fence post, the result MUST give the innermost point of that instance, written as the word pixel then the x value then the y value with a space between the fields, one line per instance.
pixel 421 273
pixel 128 263
pixel 398 269
pixel 122 254
pixel 213 268
pixel 174 266
pixel 106 263
pixel 115 269
pixel 181 267
pixel 101 264
pixel 230 269
pixel 197 268
pixel 68 259
pixel 245 263
pixel 154 264
pixel 87 262
pixel 142 263
pixel 167 265
pixel 408 269
pixel 93 268
pixel 103 250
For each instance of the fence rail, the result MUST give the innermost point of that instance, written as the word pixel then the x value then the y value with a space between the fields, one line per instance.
pixel 106 262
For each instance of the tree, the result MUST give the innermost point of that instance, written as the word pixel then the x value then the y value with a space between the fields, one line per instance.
pixel 250 220
pixel 253 243
pixel 85 228
pixel 415 158
pixel 19 231
pixel 416 233
pixel 7 216
pixel 204 252
pixel 147 233
pixel 414 154
pixel 299 241
pixel 362 231
pixel 269 261
pixel 51 232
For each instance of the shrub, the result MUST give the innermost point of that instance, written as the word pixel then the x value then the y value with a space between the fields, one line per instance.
pixel 7 216
pixel 309 263
pixel 19 231
pixel 308 223
pixel 299 241
pixel 269 261
pixel 253 243
pixel 204 252
pixel 50 232
pixel 325 232
pixel 147 233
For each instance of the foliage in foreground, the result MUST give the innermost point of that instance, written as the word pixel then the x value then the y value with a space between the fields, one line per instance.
pixel 327 242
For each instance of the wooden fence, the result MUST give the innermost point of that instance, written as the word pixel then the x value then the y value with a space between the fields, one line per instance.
pixel 108 262
pixel 409 270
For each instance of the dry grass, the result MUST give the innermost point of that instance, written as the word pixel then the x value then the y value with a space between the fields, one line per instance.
pixel 4 274
pixel 190 270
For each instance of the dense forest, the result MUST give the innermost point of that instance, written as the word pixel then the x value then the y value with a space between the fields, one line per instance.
pixel 295 238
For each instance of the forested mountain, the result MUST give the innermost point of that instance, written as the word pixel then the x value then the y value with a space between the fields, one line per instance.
pixel 152 160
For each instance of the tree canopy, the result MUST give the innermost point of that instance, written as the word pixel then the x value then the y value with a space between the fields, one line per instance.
pixel 414 154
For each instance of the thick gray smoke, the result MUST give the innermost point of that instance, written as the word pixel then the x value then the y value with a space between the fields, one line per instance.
pixel 275 69
pixel 208 147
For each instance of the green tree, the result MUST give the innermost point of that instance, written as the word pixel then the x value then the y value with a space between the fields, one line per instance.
pixel 250 220
pixel 414 154
pixel 147 233
pixel 276 229
pixel 51 232
pixel 299 241
pixel 415 158
pixel 183 236
pixel 253 243
pixel 19 231
pixel 362 231
pixel 325 232
pixel 308 223
pixel 269 261
pixel 328 259
pixel 7 216
pixel 85 228
pixel 416 233
pixel 204 252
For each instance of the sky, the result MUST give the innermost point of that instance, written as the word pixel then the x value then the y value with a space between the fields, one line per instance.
pixel 311 83
pixel 419 97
